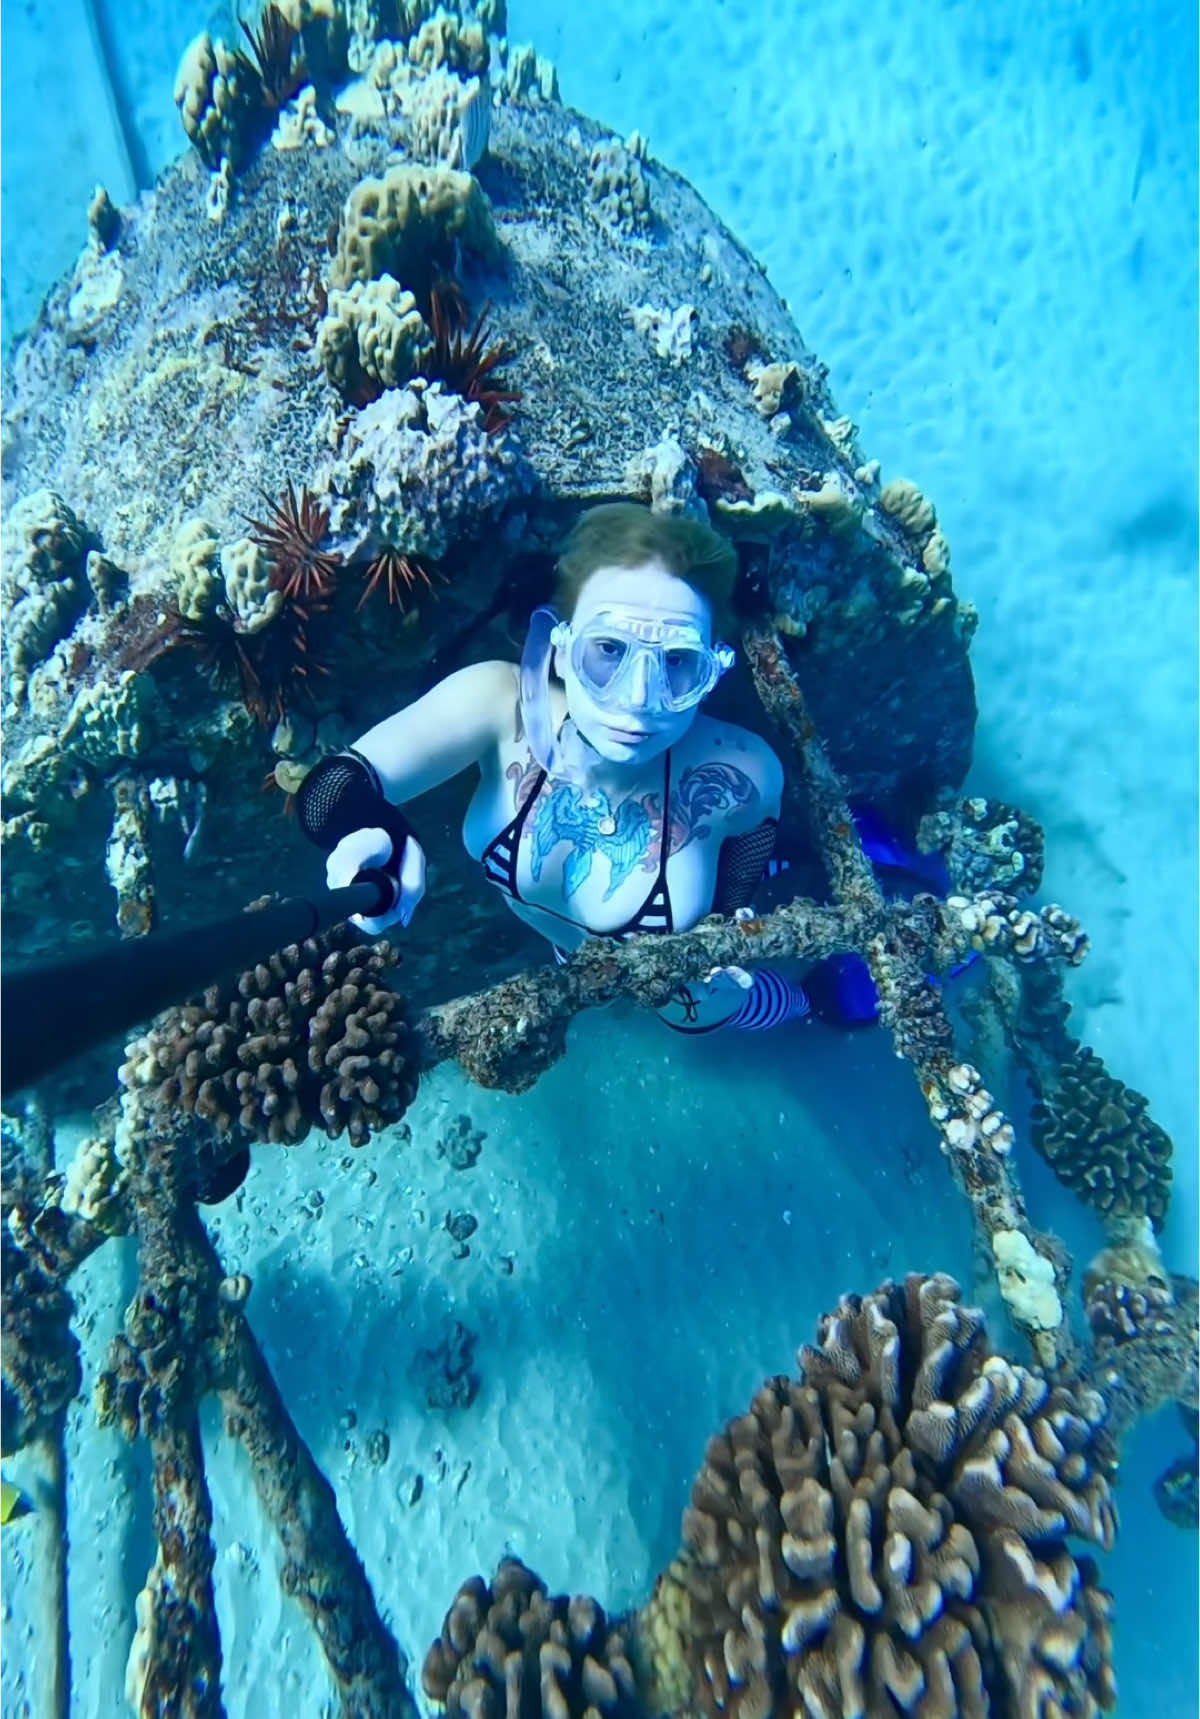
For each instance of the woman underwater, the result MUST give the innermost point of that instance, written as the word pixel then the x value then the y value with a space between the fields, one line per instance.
pixel 608 804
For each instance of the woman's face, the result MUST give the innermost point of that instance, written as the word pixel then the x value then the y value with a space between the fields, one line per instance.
pixel 636 731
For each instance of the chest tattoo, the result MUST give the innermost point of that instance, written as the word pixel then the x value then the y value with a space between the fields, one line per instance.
pixel 629 835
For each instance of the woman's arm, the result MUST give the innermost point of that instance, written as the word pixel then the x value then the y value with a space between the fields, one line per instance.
pixel 348 803
pixel 451 727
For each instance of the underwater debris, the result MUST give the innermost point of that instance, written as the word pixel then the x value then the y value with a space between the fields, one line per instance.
pixel 509 1647
pixel 460 1143
pixel 445 1373
pixel 976 1136
pixel 186 1334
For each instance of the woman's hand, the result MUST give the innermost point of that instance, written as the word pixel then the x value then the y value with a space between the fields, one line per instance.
pixel 362 849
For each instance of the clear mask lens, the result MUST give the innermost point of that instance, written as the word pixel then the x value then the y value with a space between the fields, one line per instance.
pixel 644 664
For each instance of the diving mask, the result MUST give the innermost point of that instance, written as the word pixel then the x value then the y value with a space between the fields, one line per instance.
pixel 661 666
pixel 653 666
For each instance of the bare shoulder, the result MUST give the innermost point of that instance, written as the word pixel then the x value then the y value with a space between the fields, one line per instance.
pixel 756 768
pixel 492 688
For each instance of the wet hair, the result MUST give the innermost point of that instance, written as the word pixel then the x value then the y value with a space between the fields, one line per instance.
pixel 626 534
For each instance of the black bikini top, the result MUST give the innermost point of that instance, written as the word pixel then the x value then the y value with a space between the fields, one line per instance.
pixel 499 861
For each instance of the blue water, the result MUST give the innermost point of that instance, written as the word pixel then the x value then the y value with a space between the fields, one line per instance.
pixel 983 217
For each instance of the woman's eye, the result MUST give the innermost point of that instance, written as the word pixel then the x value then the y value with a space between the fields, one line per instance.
pixel 608 647
pixel 676 659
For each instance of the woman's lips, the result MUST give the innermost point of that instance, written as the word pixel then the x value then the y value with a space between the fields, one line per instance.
pixel 632 735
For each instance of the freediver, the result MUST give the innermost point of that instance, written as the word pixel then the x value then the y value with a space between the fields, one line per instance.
pixel 608 803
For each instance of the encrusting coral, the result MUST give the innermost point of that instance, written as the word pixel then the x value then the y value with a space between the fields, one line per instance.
pixel 511 1651
pixel 414 465
pixel 41 1365
pixel 310 1038
pixel 888 1534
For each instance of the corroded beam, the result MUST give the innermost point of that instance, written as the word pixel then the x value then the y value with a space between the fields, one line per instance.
pixel 976 1139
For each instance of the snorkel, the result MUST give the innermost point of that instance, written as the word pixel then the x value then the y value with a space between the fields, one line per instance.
pixel 561 751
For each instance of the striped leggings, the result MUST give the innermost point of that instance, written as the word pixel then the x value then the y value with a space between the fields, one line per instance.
pixel 769 1002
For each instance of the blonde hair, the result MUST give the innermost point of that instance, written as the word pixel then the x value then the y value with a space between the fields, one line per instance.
pixel 627 534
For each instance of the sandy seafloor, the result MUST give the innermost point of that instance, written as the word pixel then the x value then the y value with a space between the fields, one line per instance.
pixel 984 218
pixel 659 1226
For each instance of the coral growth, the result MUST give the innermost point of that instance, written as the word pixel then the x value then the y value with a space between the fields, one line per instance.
pixel 512 1651
pixel 409 225
pixel 449 119
pixel 888 1535
pixel 1143 1325
pixel 417 469
pixel 987 846
pixel 372 337
pixel 217 92
pixel 42 588
pixel 1100 1140
pixel 617 191
pixel 41 1366
pixel 310 1038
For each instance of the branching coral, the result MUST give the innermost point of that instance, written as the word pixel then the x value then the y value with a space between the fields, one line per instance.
pixel 1099 1138
pixel 512 1651
pixel 310 1038
pixel 887 1535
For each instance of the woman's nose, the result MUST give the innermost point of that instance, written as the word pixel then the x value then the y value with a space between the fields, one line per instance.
pixel 639 681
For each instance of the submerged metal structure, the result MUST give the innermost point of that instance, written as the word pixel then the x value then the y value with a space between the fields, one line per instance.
pixel 308 289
